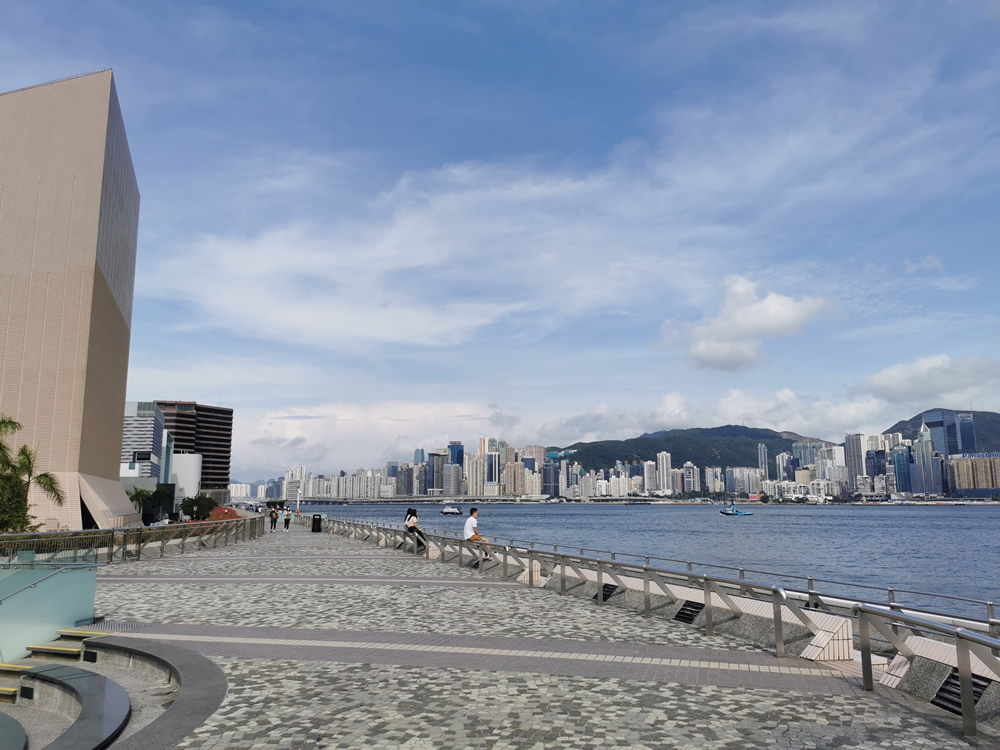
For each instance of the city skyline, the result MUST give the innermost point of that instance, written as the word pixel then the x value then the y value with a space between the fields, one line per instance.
pixel 367 229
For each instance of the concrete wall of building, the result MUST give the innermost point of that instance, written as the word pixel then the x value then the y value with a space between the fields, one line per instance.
pixel 68 226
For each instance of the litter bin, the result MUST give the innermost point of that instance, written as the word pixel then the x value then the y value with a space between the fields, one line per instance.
pixel 317 522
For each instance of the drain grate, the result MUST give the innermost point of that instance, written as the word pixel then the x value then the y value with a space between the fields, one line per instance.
pixel 689 611
pixel 610 589
pixel 949 695
pixel 116 625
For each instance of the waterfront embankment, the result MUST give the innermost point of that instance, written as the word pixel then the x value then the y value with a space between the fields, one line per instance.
pixel 329 642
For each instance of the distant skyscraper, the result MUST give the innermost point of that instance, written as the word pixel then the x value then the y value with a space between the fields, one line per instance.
pixel 68 235
pixel 762 459
pixel 902 461
pixel 664 472
pixel 855 446
pixel 951 432
pixel 208 431
pixel 452 479
pixel 391 469
pixel 692 477
pixel 966 432
pixel 926 476
pixel 649 483
pixel 876 463
pixel 550 479
pixel 435 469
pixel 142 441
pixel 419 456
pixel 806 451
pixel 456 453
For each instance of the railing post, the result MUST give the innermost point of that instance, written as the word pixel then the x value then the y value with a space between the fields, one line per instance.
pixel 892 605
pixel 461 548
pixel 965 684
pixel 993 625
pixel 779 630
pixel 867 679
pixel 600 583
pixel 562 575
pixel 531 568
pixel 612 555
pixel 505 563
pixel 690 570
pixel 810 600
pixel 709 630
pixel 647 608
pixel 479 558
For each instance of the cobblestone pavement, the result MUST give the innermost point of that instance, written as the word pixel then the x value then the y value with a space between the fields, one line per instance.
pixel 329 642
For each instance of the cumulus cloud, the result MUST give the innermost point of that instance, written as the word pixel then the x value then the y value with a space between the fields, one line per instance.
pixel 731 339
pixel 936 378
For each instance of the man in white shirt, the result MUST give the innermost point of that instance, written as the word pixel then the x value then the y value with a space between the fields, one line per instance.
pixel 472 532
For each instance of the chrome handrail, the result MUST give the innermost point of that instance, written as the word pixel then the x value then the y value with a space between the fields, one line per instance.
pixel 966 643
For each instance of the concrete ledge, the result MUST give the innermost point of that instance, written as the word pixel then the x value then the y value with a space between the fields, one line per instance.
pixel 202 686
pixel 104 704
pixel 12 734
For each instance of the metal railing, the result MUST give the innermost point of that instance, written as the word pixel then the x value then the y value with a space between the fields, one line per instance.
pixel 518 560
pixel 126 544
pixel 526 560
pixel 885 620
pixel 839 598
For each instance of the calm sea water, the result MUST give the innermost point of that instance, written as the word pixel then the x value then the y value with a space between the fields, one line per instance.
pixel 943 550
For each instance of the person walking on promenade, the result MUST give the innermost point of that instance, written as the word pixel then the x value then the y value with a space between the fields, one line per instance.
pixel 274 519
pixel 472 532
pixel 410 523
pixel 288 519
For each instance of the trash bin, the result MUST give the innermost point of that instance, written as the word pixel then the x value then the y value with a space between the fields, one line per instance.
pixel 317 522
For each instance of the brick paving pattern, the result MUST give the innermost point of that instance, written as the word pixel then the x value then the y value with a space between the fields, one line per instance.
pixel 329 642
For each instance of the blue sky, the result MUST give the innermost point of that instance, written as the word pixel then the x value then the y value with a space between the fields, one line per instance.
pixel 369 227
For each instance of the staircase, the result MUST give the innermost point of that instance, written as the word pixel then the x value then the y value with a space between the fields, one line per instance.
pixel 689 611
pixel 610 589
pixel 949 695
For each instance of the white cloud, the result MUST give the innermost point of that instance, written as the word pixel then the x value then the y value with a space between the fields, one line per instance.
pixel 731 339
pixel 928 263
pixel 937 380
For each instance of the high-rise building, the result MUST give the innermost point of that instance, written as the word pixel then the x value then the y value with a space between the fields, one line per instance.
pixel 951 432
pixel 966 432
pixel 435 470
pixel 550 479
pixel 452 479
pixel 419 456
pixel 806 451
pixel 876 463
pixel 692 478
pixel 902 460
pixel 855 447
pixel 762 458
pixel 649 483
pixel 142 441
pixel 927 470
pixel 207 431
pixel 664 472
pixel 536 452
pixel 456 453
pixel 68 231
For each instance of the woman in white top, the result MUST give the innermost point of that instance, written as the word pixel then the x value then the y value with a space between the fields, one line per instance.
pixel 410 523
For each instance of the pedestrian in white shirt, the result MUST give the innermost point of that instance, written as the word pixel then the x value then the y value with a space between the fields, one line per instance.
pixel 472 532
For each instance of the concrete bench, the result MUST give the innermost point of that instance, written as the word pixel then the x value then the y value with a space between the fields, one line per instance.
pixel 104 704
pixel 12 734
pixel 201 684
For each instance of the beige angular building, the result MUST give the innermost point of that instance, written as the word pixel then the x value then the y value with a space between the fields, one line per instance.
pixel 69 213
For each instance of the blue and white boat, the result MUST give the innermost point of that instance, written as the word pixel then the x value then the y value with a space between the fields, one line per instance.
pixel 732 510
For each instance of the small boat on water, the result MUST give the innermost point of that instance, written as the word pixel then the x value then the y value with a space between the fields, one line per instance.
pixel 450 511
pixel 732 510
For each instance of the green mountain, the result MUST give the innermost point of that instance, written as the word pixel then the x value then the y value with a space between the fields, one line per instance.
pixel 987 424
pixel 730 445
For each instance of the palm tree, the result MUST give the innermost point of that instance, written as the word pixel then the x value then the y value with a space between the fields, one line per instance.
pixel 18 473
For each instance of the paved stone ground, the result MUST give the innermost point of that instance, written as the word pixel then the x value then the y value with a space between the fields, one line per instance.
pixel 329 642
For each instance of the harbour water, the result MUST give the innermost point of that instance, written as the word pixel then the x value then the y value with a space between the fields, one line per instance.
pixel 953 551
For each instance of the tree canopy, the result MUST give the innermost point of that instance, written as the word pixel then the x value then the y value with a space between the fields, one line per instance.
pixel 18 474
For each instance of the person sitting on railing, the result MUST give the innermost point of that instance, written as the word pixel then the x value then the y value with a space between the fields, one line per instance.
pixel 472 533
pixel 410 523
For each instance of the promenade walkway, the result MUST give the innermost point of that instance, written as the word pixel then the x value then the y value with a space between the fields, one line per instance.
pixel 329 642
